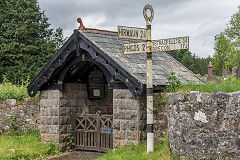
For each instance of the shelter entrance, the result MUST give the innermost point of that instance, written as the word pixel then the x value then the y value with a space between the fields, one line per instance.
pixel 92 103
pixel 92 132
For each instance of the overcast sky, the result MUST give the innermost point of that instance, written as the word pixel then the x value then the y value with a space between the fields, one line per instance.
pixel 201 20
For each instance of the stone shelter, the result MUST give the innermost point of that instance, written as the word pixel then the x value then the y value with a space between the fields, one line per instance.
pixel 91 90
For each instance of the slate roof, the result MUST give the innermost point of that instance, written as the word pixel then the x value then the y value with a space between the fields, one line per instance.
pixel 110 49
pixel 135 64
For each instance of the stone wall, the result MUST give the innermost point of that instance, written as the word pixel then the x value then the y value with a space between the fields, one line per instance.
pixel 129 113
pixel 57 108
pixel 204 125
pixel 75 99
pixel 160 120
pixel 130 117
pixel 26 114
pixel 53 114
pixel 50 101
pixel 126 118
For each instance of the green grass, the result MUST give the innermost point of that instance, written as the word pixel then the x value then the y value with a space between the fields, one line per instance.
pixel 161 152
pixel 232 84
pixel 27 146
pixel 11 91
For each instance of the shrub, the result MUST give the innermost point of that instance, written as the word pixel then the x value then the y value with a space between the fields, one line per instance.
pixel 10 91
pixel 173 83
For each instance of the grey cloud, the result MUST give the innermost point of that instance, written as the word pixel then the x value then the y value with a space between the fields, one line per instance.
pixel 200 19
pixel 62 11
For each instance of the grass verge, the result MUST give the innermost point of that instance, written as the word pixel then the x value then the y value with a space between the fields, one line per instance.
pixel 161 152
pixel 26 146
pixel 230 84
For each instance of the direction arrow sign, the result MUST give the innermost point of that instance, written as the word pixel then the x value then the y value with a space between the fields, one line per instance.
pixel 132 33
pixel 132 48
pixel 170 44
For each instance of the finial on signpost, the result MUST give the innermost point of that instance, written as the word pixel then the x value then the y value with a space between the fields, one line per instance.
pixel 148 19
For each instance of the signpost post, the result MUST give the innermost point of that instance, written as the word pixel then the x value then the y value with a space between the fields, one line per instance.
pixel 148 46
pixel 149 91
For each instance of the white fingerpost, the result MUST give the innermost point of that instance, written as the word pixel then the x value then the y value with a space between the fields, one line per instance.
pixel 149 90
pixel 148 47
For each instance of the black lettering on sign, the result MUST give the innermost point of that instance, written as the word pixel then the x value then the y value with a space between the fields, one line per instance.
pixel 127 32
pixel 154 43
pixel 130 32
pixel 138 48
pixel 173 41
pixel 185 39
pixel 126 48
pixel 143 47
pixel 179 40
pixel 167 48
pixel 133 48
pixel 142 34
pixel 184 46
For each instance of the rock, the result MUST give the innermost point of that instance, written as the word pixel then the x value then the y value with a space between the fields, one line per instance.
pixel 210 129
pixel 11 102
pixel 234 71
pixel 11 150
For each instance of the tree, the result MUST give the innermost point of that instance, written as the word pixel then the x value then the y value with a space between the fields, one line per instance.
pixel 192 62
pixel 222 48
pixel 187 60
pixel 227 46
pixel 233 28
pixel 26 41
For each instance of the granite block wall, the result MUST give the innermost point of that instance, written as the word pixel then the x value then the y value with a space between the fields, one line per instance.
pixel 204 125
pixel 49 115
pixel 126 118
pixel 57 108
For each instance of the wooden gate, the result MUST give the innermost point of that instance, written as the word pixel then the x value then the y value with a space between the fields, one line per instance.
pixel 92 132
